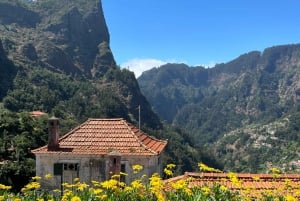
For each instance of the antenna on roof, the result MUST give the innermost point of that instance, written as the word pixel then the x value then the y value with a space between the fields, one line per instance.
pixel 139 108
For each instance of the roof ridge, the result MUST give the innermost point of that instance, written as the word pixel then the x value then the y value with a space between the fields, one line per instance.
pixel 106 119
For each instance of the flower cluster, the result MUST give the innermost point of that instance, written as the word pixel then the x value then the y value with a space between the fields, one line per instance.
pixel 154 188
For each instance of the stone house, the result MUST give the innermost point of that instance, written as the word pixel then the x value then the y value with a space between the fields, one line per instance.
pixel 96 150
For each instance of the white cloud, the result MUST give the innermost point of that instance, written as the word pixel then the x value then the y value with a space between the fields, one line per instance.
pixel 139 65
pixel 208 65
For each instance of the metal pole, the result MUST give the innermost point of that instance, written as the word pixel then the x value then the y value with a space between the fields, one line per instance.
pixel 139 117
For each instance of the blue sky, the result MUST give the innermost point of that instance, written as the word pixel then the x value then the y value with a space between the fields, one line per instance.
pixel 149 33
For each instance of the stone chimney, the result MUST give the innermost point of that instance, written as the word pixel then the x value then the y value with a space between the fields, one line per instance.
pixel 53 133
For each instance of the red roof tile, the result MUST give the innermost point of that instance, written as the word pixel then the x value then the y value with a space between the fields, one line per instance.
pixel 101 136
pixel 257 183
pixel 37 113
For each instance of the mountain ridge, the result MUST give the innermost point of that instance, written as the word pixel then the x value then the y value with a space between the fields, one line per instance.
pixel 51 63
pixel 255 88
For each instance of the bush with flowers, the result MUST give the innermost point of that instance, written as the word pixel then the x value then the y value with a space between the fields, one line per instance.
pixel 142 189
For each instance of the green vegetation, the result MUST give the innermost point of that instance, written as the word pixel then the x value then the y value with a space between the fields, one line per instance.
pixel 19 133
pixel 153 189
pixel 235 99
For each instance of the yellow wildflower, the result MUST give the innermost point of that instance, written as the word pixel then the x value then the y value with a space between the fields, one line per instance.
pixel 109 184
pixel 4 187
pixel 75 198
pixel 56 190
pixel 97 191
pixel 116 176
pixel 180 184
pixel 123 174
pixel 290 198
pixel 136 168
pixel 223 188
pixel 82 186
pixel 1 198
pixel 171 166
pixel 205 168
pixel 168 172
pixel 128 189
pixel 36 178
pixel 103 197
pixel 48 176
pixel 76 180
pixel 31 186
pixel 137 184
pixel 205 190
pixel 188 191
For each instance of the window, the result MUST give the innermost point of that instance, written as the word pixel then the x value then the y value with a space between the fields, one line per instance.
pixel 71 166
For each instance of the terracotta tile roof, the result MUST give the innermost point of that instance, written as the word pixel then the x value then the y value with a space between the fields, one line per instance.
pixel 37 113
pixel 254 184
pixel 101 136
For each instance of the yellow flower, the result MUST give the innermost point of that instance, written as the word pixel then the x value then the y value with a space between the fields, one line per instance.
pixel 188 191
pixel 275 170
pixel 1 198
pixel 205 168
pixel 171 166
pixel 136 168
pixel 180 184
pixel 75 198
pixel 31 186
pixel 103 197
pixel 36 178
pixel 82 186
pixel 168 172
pixel 40 199
pixel 223 188
pixel 96 183
pixel 137 184
pixel 290 198
pixel 128 189
pixel 205 190
pixel 17 199
pixel 3 187
pixel 116 176
pixel 56 190
pixel 48 176
pixel 123 174
pixel 109 184
pixel 97 191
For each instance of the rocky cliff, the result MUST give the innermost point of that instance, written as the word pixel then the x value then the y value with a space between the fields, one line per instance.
pixel 69 36
pixel 237 106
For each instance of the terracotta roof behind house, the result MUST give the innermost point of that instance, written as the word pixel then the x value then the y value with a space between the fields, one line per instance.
pixel 254 184
pixel 101 136
pixel 37 113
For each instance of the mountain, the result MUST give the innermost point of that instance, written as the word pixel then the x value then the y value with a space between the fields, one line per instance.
pixel 55 57
pixel 246 111
pixel 55 54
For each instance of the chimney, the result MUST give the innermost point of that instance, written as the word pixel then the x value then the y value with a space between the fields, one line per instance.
pixel 53 134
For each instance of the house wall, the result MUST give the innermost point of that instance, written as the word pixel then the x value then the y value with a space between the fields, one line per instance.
pixel 91 167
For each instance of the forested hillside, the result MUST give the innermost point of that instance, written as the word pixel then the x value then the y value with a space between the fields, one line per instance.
pixel 245 110
pixel 55 58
